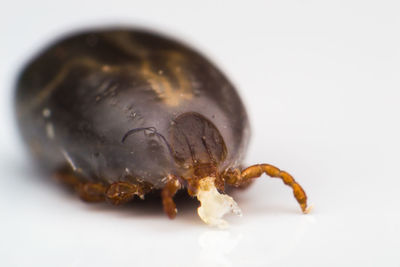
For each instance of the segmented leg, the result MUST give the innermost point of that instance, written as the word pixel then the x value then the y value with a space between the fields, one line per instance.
pixel 91 192
pixel 116 193
pixel 87 191
pixel 167 194
pixel 122 192
pixel 237 178
pixel 66 177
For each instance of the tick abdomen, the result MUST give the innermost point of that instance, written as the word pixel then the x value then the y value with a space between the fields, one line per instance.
pixel 78 99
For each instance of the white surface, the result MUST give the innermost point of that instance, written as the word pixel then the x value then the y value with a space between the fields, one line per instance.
pixel 322 85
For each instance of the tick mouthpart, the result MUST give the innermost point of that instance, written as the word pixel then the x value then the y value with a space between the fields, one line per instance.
pixel 214 205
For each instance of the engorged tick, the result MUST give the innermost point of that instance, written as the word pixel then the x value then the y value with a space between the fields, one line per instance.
pixel 118 113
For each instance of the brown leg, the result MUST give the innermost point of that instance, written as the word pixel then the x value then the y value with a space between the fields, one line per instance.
pixel 91 192
pixel 167 194
pixel 66 177
pixel 122 192
pixel 87 191
pixel 237 178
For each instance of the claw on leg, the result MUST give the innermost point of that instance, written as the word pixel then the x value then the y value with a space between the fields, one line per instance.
pixel 237 178
pixel 167 195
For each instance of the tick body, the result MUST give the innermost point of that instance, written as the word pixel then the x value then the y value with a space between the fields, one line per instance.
pixel 117 113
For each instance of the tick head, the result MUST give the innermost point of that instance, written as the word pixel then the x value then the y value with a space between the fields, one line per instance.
pixel 197 144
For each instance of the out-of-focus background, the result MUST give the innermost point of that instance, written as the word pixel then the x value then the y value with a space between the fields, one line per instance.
pixel 322 86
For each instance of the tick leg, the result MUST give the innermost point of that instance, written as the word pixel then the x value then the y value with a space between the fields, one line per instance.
pixel 91 192
pixel 66 177
pixel 237 178
pixel 167 194
pixel 88 191
pixel 122 192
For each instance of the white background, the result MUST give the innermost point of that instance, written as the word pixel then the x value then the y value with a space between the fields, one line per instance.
pixel 322 86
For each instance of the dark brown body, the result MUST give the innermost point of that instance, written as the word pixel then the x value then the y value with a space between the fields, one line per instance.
pixel 117 113
pixel 80 97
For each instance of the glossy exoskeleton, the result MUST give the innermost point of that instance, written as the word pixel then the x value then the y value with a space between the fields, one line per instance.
pixel 117 113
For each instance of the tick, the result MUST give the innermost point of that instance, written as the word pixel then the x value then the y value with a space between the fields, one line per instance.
pixel 118 113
